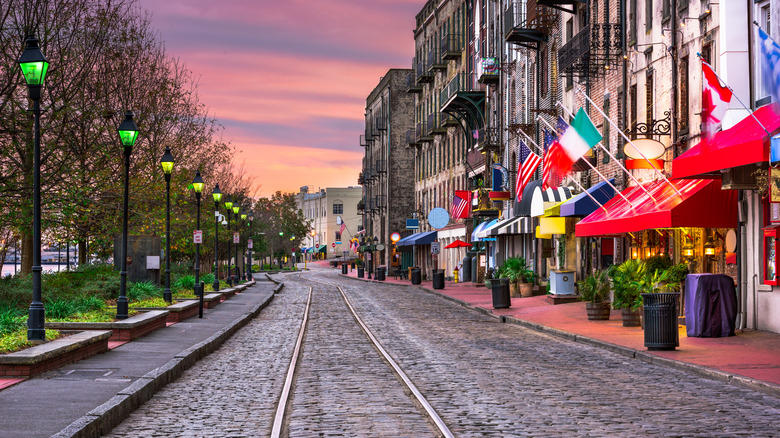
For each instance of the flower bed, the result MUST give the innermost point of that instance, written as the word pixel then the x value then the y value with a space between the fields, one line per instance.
pixel 124 330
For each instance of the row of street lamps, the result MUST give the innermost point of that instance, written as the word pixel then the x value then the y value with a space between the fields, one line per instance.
pixel 34 67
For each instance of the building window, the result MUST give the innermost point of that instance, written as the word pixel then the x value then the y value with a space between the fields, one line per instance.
pixel 338 208
pixel 543 67
pixel 632 97
pixel 666 9
pixel 649 101
pixel 632 23
pixel 684 102
pixel 648 15
pixel 338 236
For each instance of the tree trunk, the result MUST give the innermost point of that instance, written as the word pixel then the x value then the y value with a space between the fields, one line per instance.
pixel 27 259
pixel 82 251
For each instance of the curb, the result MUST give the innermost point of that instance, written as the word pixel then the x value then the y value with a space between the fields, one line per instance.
pixel 102 419
pixel 278 288
pixel 699 370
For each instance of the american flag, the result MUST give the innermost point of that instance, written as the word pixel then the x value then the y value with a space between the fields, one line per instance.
pixel 770 63
pixel 343 227
pixel 529 161
pixel 460 204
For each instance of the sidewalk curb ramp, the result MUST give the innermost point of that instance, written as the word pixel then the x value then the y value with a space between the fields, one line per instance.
pixel 102 419
pixel 699 370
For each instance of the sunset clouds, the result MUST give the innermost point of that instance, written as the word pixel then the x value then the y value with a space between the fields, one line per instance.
pixel 289 79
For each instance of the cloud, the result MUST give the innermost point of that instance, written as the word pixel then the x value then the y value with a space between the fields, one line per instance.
pixel 289 80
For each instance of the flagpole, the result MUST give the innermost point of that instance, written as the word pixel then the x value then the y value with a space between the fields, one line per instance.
pixel 639 184
pixel 620 131
pixel 596 170
pixel 734 93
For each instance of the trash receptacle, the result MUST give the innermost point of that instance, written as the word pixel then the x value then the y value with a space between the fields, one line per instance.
pixel 361 274
pixel 344 268
pixel 416 275
pixel 465 270
pixel 500 289
pixel 379 275
pixel 660 313
pixel 438 278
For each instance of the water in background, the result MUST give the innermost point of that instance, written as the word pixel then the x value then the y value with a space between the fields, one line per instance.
pixel 8 268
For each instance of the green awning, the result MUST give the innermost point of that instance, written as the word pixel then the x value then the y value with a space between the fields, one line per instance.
pixel 322 248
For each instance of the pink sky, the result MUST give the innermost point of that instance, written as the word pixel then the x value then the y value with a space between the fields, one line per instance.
pixel 289 79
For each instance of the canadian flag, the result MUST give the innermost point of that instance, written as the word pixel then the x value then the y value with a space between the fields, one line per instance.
pixel 714 102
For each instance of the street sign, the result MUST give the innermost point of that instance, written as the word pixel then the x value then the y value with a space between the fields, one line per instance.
pixel 434 247
pixel 380 247
pixel 413 224
pixel 249 244
pixel 235 237
pixel 197 236
pixel 333 245
pixel 438 218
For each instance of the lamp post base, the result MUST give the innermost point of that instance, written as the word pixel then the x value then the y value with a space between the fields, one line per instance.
pixel 167 296
pixel 35 323
pixel 121 308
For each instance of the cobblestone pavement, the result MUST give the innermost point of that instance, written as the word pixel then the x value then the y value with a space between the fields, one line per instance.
pixel 342 386
pixel 232 392
pixel 484 378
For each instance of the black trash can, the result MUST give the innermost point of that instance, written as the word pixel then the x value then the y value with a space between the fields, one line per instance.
pixel 379 275
pixel 500 289
pixel 660 315
pixel 344 268
pixel 416 276
pixel 361 274
pixel 438 278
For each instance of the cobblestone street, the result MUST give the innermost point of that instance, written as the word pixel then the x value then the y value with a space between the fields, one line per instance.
pixel 484 378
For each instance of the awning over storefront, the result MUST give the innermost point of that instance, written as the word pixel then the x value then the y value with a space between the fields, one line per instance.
pixel 534 199
pixel 516 225
pixel 424 238
pixel 744 143
pixel 322 249
pixel 490 229
pixel 478 229
pixel 583 205
pixel 703 204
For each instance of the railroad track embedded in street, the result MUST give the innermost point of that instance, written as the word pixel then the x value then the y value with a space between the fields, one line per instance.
pixel 284 408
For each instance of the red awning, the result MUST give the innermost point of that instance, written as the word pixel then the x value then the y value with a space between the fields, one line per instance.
pixel 742 144
pixel 703 204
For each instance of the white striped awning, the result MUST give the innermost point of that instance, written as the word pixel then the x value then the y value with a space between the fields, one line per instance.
pixel 517 225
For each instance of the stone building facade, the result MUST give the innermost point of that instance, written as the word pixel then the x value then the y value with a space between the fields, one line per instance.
pixel 388 163
pixel 323 209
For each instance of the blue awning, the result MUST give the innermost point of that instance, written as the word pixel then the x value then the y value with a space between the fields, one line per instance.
pixel 485 231
pixel 583 205
pixel 478 229
pixel 424 238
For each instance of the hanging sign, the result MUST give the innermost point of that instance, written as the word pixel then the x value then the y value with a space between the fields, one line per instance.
pixel 438 218
pixel 235 237
pixel 197 236
pixel 413 224
pixel 434 247
pixel 249 244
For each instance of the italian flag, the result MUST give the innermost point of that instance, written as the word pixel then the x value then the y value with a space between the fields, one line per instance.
pixel 572 145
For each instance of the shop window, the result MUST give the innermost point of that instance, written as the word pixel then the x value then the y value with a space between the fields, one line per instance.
pixel 770 255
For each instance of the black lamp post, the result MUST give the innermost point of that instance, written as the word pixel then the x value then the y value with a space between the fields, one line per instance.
pixel 236 208
pixel 217 195
pixel 243 254
pixel 34 66
pixel 167 162
pixel 373 248
pixel 249 247
pixel 128 133
pixel 229 208
pixel 197 186
pixel 370 257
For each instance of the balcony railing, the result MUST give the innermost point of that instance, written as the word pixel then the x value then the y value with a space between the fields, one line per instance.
pixel 421 133
pixel 487 139
pixel 363 142
pixel 435 61
pixel 423 74
pixel 528 23
pixel 411 137
pixel 462 82
pixel 435 126
pixel 411 83
pixel 451 46
pixel 591 50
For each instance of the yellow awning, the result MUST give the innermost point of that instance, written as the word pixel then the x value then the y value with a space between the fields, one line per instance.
pixel 542 236
pixel 552 225
pixel 553 208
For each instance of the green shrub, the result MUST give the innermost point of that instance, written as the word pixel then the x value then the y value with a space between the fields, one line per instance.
pixel 143 290
pixel 658 263
pixel 60 308
pixel 207 278
pixel 11 319
pixel 595 287
pixel 89 304
pixel 186 282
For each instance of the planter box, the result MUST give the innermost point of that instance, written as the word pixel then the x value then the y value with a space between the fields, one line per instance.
pixel 229 292
pixel 176 312
pixel 210 301
pixel 125 330
pixel 54 354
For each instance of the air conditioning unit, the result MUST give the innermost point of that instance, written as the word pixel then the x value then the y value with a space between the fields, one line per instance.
pixel 562 282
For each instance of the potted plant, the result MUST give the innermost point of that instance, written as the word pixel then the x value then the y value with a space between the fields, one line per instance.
pixel 511 271
pixel 594 289
pixel 629 281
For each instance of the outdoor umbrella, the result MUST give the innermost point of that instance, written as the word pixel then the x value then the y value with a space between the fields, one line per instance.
pixel 458 244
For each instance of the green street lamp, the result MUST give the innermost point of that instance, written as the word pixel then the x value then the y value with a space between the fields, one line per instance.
pixel 249 247
pixel 34 67
pixel 217 195
pixel 128 133
pixel 167 162
pixel 197 186
pixel 229 207
pixel 236 209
